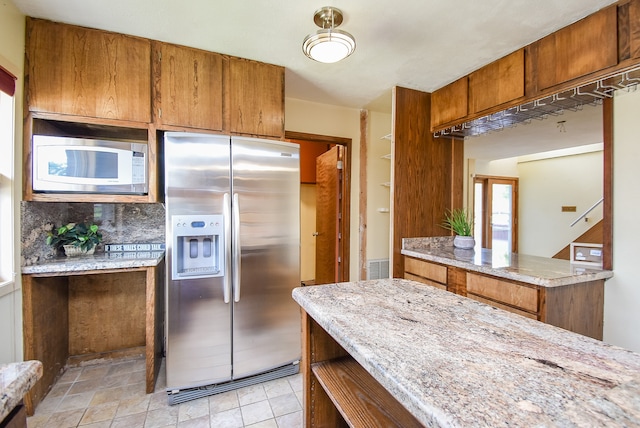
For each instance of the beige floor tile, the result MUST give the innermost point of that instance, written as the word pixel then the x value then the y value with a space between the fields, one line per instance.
pixel 251 394
pixel 113 395
pixel 225 401
pixel 193 409
pixel 70 375
pixel 94 372
pixel 65 419
pixel 277 387
pixel 256 412
pixel 131 421
pixel 162 417
pixel 292 420
pixel 130 406
pixel 284 404
pixel 80 386
pixel 201 422
pixel 227 419
pixel 77 401
pixel 100 413
pixel 269 423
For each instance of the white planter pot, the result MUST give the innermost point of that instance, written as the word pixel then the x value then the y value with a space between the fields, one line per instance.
pixel 465 242
pixel 73 251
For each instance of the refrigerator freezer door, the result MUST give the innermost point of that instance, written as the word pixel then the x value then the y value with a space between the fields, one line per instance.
pixel 197 175
pixel 266 180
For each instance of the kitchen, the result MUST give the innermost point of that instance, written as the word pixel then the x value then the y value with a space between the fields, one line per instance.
pixel 345 122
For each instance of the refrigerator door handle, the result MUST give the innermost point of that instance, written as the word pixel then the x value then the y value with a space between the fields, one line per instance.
pixel 227 247
pixel 236 247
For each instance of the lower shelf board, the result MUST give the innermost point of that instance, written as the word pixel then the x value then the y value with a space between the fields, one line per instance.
pixel 359 398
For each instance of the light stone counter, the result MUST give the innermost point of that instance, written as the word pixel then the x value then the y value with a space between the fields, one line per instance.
pixel 16 379
pixel 543 271
pixel 98 261
pixel 452 361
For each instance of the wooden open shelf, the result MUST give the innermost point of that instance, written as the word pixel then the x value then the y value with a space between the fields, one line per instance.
pixel 359 398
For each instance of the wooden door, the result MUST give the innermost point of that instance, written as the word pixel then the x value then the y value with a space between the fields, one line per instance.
pixel 328 216
pixel 190 90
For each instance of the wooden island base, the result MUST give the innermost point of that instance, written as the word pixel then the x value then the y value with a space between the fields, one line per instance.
pixel 339 392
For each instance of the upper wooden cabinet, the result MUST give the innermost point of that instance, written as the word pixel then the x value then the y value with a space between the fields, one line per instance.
pixel 254 98
pixel 497 83
pixel 585 47
pixel 449 103
pixel 188 90
pixel 83 72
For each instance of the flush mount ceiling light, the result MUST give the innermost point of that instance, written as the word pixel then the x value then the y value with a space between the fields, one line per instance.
pixel 328 45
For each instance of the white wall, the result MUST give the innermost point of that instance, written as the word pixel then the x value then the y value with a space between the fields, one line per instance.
pixel 12 28
pixel 545 186
pixel 323 119
pixel 622 292
pixel 378 196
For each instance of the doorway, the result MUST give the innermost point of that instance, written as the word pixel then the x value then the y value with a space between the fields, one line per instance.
pixel 325 207
pixel 496 213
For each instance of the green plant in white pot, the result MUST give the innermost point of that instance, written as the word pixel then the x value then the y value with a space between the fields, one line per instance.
pixel 461 223
pixel 75 238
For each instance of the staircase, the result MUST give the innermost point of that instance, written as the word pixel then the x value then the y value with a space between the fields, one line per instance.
pixel 592 236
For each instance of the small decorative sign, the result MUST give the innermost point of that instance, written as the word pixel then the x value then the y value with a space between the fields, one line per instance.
pixel 586 254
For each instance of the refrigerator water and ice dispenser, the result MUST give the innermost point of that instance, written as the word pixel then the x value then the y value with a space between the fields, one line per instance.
pixel 198 246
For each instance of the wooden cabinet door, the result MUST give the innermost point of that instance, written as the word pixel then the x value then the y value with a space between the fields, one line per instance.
pixel 449 103
pixel 190 87
pixel 254 94
pixel 84 72
pixel 587 46
pixel 497 83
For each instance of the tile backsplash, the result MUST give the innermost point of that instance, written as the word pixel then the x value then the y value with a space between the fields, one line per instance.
pixel 119 223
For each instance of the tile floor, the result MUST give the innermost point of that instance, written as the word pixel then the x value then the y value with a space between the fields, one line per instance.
pixel 113 395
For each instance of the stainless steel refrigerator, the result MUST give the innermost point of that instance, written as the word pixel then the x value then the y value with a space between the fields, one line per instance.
pixel 233 251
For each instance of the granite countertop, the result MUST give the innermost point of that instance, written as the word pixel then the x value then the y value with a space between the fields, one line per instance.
pixel 453 361
pixel 16 379
pixel 543 271
pixel 97 261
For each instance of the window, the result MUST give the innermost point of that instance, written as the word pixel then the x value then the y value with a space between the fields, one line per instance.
pixel 6 193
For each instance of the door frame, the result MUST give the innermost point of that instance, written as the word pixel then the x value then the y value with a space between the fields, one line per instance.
pixel 487 180
pixel 345 240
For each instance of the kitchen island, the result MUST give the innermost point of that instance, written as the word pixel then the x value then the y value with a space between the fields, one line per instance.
pixel 553 291
pixel 104 306
pixel 409 355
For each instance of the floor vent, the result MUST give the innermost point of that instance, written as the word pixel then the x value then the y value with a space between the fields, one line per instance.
pixel 183 395
pixel 377 269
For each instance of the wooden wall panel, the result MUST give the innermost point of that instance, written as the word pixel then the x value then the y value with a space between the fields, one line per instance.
pixel 587 46
pixel 497 83
pixel 422 172
pixel 107 312
pixel 578 307
pixel 45 325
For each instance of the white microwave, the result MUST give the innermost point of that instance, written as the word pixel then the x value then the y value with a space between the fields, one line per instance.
pixel 79 165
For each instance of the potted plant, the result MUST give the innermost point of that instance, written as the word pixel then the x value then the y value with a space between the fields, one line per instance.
pixel 75 238
pixel 460 222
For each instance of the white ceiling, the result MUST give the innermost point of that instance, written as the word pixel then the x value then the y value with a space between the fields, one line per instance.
pixel 418 44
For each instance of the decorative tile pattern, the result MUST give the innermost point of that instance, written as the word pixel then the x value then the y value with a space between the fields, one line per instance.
pixel 113 395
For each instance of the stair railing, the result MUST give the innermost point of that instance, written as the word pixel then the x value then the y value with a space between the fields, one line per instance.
pixel 587 211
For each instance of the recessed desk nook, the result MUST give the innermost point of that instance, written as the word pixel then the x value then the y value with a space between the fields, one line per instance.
pixel 90 308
